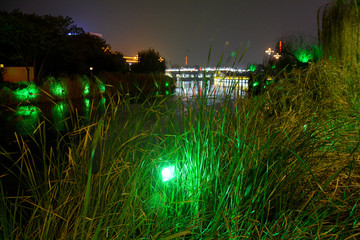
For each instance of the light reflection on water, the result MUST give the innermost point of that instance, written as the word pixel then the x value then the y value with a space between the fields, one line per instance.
pixel 59 113
pixel 26 119
pixel 188 90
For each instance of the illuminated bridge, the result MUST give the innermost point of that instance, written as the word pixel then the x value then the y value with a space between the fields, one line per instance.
pixel 218 76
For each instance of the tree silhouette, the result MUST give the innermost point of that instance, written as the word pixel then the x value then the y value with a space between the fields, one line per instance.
pixel 53 46
pixel 150 61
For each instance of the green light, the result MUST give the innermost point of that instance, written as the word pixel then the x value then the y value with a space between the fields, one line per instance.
pixel 28 93
pixel 87 103
pixel 27 111
pixel 255 84
pixel 168 173
pixel 101 87
pixel 252 68
pixel 59 113
pixel 166 93
pixel 303 55
pixel 166 84
pixel 86 86
pixel 29 116
pixel 58 88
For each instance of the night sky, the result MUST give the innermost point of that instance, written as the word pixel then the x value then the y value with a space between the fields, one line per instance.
pixel 180 28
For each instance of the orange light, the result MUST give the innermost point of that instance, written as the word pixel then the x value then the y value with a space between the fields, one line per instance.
pixel 269 51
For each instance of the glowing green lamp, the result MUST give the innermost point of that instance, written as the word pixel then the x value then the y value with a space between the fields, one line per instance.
pixel 168 173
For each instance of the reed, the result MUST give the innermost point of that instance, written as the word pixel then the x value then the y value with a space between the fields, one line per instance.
pixel 281 165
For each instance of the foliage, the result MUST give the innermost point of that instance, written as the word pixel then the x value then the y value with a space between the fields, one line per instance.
pixel 297 51
pixel 150 61
pixel 282 165
pixel 54 46
pixel 31 40
pixel 339 27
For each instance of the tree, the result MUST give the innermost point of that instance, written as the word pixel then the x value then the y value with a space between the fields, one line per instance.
pixel 53 46
pixel 31 40
pixel 296 50
pixel 150 61
pixel 340 29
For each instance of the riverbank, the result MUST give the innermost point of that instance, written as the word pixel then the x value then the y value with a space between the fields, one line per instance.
pixel 57 89
pixel 281 165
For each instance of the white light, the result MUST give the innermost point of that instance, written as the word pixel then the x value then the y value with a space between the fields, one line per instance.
pixel 168 173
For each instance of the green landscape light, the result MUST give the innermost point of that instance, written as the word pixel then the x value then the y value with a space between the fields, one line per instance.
pixel 166 84
pixel 28 93
pixel 303 56
pixel 168 173
pixel 255 84
pixel 252 68
pixel 58 89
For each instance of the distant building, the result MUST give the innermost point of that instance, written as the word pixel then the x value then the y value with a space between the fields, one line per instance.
pixel 17 74
pixel 96 34
pixel 131 60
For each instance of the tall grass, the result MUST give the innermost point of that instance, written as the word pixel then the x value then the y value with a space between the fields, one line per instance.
pixel 283 165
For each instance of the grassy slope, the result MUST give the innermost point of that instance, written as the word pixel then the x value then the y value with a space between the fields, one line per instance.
pixel 282 166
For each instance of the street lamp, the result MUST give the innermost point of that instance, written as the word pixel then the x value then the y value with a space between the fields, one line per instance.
pixel 1 72
pixel 269 51
pixel 277 56
pixel 91 69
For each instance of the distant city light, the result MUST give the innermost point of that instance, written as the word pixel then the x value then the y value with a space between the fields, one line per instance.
pixel 280 46
pixel 269 51
pixel 208 69
pixel 277 56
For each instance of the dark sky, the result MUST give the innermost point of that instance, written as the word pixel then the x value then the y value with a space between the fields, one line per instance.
pixel 180 28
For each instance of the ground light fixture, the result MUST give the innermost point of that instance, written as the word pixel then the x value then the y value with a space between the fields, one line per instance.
pixel 168 173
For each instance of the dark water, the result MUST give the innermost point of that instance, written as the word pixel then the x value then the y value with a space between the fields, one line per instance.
pixel 25 119
pixel 38 124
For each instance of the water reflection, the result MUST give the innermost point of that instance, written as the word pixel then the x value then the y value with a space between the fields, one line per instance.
pixel 26 119
pixel 59 112
pixel 188 90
